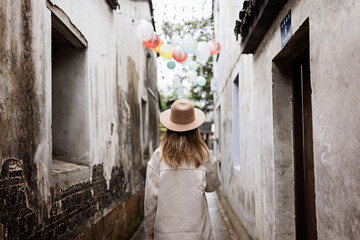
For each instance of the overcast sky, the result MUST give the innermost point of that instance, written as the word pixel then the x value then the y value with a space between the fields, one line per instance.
pixel 176 11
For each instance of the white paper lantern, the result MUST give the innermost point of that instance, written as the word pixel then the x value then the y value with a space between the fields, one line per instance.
pixel 193 66
pixel 144 30
pixel 192 75
pixel 189 44
pixel 188 60
pixel 203 52
pixel 202 61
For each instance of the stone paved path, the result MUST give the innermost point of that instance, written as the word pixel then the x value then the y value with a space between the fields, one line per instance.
pixel 220 223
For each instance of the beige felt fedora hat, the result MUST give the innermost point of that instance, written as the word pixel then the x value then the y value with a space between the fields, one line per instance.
pixel 182 116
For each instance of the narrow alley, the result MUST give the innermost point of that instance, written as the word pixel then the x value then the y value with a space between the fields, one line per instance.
pixel 112 108
pixel 222 228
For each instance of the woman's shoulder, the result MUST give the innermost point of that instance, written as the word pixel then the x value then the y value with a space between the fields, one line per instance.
pixel 210 162
pixel 157 152
pixel 154 161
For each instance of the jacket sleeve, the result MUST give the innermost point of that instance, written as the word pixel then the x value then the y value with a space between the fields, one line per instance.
pixel 212 177
pixel 151 196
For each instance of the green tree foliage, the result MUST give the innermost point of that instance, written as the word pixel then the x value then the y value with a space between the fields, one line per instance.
pixel 201 30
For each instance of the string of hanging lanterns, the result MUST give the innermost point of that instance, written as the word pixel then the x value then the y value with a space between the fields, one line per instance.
pixel 180 53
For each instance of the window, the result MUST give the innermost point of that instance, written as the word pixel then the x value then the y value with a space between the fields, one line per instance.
pixel 219 132
pixel 144 122
pixel 70 97
pixel 236 125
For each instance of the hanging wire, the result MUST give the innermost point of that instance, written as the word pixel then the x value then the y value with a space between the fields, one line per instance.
pixel 133 19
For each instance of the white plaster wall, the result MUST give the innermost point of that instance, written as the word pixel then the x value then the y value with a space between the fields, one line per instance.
pixel 111 40
pixel 26 91
pixel 332 63
pixel 225 12
pixel 334 59
pixel 40 44
pixel 241 189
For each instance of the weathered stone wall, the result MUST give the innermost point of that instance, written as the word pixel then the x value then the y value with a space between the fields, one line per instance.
pixel 262 194
pixel 72 210
pixel 17 220
pixel 23 99
pixel 101 198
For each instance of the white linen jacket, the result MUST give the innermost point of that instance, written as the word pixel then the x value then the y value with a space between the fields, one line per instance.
pixel 175 201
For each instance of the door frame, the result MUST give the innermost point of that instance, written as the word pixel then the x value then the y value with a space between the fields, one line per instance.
pixel 283 133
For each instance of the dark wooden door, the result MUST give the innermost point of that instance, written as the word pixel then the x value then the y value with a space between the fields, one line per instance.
pixel 305 214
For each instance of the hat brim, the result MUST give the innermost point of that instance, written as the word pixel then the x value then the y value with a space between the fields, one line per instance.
pixel 199 120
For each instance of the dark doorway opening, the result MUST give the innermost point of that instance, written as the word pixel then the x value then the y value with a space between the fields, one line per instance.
pixel 305 215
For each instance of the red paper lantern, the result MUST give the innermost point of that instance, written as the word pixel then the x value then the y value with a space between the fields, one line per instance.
pixel 215 47
pixel 152 42
pixel 179 55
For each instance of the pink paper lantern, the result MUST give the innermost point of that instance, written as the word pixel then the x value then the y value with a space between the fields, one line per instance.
pixel 215 47
pixel 152 42
pixel 179 55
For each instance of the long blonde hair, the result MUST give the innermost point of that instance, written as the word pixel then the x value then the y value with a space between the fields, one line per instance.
pixel 184 147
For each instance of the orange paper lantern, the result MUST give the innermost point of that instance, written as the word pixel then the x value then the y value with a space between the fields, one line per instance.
pixel 157 49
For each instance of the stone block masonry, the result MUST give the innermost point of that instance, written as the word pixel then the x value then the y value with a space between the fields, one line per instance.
pixel 17 220
pixel 73 211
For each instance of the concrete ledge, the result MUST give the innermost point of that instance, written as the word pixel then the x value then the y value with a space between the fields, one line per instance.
pixel 66 174
pixel 235 221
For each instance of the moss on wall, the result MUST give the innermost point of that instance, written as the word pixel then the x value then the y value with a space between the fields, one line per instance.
pixel 19 106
